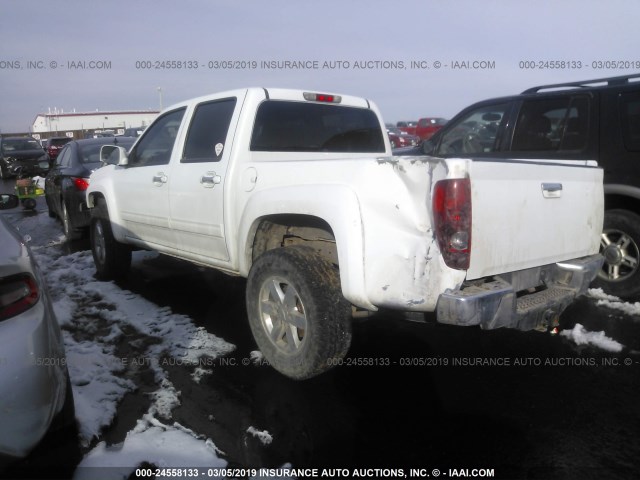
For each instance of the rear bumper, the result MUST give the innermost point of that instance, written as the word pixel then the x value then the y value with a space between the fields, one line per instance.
pixel 526 300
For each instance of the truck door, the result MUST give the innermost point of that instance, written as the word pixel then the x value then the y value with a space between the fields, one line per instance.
pixel 142 186
pixel 198 181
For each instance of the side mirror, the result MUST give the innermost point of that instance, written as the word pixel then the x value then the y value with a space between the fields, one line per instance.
pixel 428 147
pixel 113 155
pixel 8 200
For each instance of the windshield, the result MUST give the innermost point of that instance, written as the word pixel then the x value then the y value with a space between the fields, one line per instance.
pixel 19 144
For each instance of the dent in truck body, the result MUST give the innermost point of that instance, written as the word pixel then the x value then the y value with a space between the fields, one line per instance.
pixel 403 265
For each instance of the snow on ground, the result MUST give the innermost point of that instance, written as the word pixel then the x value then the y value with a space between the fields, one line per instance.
pixel 609 301
pixel 597 339
pixel 97 318
pixel 262 435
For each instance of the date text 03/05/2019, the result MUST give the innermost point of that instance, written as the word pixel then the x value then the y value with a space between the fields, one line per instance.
pixel 299 473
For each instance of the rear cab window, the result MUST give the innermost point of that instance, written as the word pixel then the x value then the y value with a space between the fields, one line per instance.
pixel 286 126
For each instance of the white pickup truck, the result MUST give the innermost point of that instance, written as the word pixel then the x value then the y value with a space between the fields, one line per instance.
pixel 298 192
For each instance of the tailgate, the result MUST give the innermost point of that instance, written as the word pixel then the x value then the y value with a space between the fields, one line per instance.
pixel 530 213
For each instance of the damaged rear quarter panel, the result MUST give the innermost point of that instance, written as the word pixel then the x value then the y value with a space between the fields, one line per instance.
pixel 403 265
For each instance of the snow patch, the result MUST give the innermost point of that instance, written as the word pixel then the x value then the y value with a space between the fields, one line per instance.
pixel 264 436
pixel 615 303
pixel 597 339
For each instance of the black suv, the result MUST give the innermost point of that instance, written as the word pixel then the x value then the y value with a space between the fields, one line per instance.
pixel 20 152
pixel 579 121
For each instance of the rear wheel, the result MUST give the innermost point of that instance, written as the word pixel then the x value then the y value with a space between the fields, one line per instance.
pixel 71 232
pixel 298 316
pixel 619 244
pixel 112 259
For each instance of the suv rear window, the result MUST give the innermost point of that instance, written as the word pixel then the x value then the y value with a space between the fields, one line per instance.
pixel 283 126
pixel 57 142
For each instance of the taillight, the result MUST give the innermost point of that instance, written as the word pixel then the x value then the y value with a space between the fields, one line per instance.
pixel 18 293
pixel 81 183
pixel 452 221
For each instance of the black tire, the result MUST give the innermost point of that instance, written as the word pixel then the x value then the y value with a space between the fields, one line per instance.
pixel 51 211
pixel 29 203
pixel 307 286
pixel 71 232
pixel 112 259
pixel 620 245
pixel 67 416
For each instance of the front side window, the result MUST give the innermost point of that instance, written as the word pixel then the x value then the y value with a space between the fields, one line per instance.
pixel 155 147
pixel 282 126
pixel 552 124
pixel 474 133
pixel 208 131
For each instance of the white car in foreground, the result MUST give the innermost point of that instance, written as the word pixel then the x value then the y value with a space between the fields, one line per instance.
pixel 35 393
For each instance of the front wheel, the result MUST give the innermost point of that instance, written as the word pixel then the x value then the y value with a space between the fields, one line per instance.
pixel 112 259
pixel 619 244
pixel 298 316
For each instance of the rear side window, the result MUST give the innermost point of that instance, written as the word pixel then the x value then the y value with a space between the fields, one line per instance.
pixel 282 126
pixel 552 124
pixel 208 131
pixel 630 120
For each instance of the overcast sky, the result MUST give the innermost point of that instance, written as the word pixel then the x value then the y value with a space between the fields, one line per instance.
pixel 384 38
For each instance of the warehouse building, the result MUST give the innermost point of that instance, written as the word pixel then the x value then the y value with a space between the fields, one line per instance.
pixel 83 125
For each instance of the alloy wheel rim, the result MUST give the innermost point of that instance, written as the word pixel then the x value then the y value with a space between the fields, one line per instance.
pixel 283 315
pixel 621 256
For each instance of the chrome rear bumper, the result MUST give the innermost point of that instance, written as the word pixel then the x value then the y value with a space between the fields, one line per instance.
pixel 526 300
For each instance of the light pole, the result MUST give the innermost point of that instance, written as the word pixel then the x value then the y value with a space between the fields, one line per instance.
pixel 160 94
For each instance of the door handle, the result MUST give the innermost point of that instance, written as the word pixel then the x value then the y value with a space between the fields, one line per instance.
pixel 210 180
pixel 159 179
pixel 551 190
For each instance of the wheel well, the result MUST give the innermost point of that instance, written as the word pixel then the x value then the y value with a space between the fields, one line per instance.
pixel 622 202
pixel 279 231
pixel 93 199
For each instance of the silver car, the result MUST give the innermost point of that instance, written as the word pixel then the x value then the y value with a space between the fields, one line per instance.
pixel 35 393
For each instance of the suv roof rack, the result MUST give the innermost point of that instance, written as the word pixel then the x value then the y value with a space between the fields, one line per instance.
pixel 622 80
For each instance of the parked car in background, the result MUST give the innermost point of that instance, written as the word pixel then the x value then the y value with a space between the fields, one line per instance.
pixel 19 151
pixel 35 392
pixel 568 123
pixel 400 139
pixel 407 127
pixel 67 181
pixel 426 127
pixel 133 131
pixel 53 146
